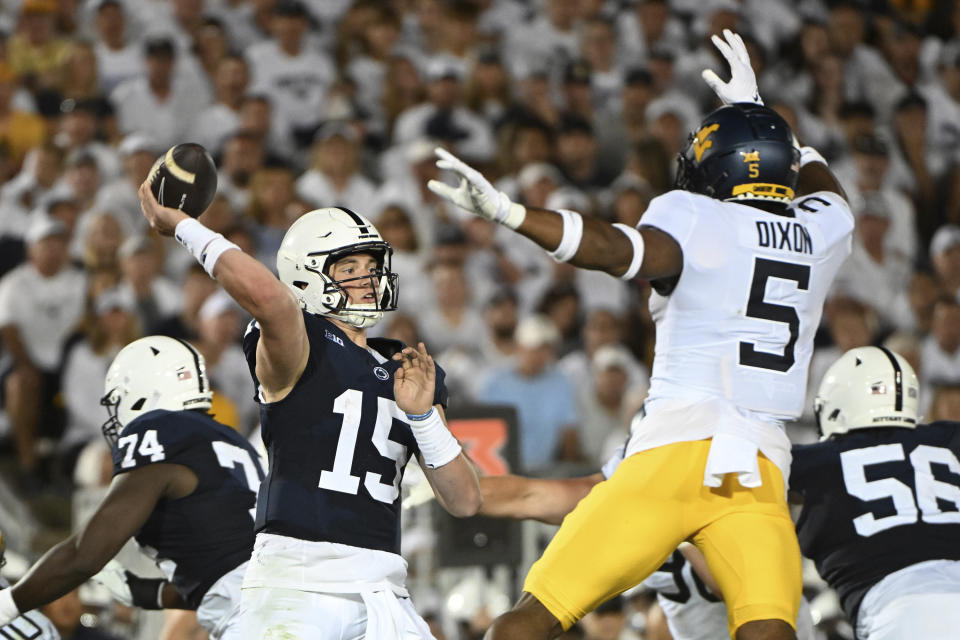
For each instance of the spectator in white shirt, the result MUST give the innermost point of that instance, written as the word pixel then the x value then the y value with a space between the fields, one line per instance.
pixel 117 59
pixel 119 196
pixel 154 297
pixel 945 255
pixel 295 77
pixel 243 155
pixel 158 103
pixel 941 349
pixel 41 304
pixel 334 178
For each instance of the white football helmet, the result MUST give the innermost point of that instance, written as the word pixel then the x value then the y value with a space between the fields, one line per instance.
pixel 155 372
pixel 867 387
pixel 315 241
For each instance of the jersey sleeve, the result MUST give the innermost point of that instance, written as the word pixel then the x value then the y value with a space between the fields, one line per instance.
pixel 440 395
pixel 832 213
pixel 250 339
pixel 155 437
pixel 673 213
pixel 613 461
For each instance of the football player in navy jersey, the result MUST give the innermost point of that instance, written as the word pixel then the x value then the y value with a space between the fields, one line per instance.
pixel 341 415
pixel 881 500
pixel 184 488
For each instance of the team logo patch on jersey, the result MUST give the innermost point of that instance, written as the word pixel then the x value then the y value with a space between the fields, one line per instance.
pixel 381 373
pixel 333 337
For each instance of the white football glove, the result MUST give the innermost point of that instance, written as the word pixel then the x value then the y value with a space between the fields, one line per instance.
pixel 743 81
pixel 113 578
pixel 475 193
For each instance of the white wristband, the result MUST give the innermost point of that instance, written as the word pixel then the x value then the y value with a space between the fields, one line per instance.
pixel 572 235
pixel 204 244
pixel 437 444
pixel 509 212
pixel 808 155
pixel 213 252
pixel 8 608
pixel 636 239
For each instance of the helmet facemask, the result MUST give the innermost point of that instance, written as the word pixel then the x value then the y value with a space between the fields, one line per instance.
pixel 112 427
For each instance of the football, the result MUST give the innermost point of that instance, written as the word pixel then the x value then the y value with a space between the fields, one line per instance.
pixel 184 178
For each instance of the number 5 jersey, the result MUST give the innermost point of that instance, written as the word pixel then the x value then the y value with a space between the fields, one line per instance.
pixel 735 329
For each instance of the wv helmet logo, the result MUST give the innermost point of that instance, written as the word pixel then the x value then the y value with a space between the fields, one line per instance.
pixel 381 373
pixel 701 140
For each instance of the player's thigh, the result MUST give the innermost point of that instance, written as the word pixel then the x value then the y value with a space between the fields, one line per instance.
pixel 755 558
pixel 279 614
pixel 619 534
pixel 931 616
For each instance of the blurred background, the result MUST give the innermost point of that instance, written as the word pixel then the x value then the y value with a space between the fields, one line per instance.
pixel 579 104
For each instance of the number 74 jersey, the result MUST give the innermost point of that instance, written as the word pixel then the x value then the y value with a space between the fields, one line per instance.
pixel 740 321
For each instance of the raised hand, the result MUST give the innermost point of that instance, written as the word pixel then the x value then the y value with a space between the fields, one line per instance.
pixel 474 193
pixel 163 219
pixel 414 382
pixel 743 81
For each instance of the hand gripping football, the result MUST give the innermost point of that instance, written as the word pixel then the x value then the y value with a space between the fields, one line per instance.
pixel 184 178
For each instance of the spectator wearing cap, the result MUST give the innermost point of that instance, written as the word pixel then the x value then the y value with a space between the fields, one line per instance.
pixel 158 103
pixel 334 177
pixel 444 117
pixel 118 195
pixel 221 118
pixel 940 352
pixel 295 76
pixel 41 304
pixel 219 331
pixel 542 395
pixel 874 274
pixel 20 130
pixel 111 326
pixel 870 169
pixel 35 52
pixel 578 155
pixel 154 296
pixel 118 59
pixel 77 131
pixel 945 257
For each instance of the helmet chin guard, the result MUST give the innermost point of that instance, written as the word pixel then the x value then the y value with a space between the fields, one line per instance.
pixel 316 241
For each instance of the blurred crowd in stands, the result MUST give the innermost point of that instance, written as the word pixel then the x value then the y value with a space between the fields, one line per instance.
pixel 578 104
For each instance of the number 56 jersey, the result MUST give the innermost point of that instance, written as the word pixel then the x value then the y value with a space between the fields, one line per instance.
pixel 878 501
pixel 740 321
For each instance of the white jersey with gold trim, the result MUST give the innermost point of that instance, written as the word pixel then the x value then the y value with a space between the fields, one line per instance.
pixel 739 324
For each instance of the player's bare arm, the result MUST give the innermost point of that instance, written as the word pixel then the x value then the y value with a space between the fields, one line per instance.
pixel 130 500
pixel 454 482
pixel 548 500
pixel 283 348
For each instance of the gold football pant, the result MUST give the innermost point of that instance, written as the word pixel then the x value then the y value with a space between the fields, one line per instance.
pixel 628 525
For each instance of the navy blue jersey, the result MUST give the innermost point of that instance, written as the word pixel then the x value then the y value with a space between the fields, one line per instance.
pixel 877 501
pixel 198 538
pixel 337 443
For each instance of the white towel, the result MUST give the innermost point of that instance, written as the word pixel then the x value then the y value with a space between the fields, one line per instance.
pixel 387 619
pixel 732 454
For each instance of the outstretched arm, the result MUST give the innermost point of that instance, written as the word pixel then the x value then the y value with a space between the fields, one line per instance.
pixel 129 502
pixel 283 348
pixel 589 243
pixel 545 499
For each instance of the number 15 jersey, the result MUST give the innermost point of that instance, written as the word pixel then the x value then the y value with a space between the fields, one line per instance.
pixel 740 322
